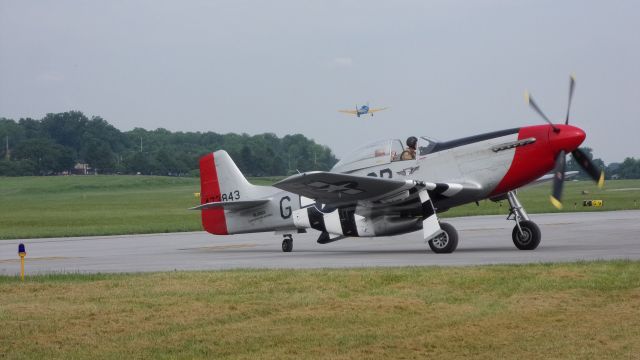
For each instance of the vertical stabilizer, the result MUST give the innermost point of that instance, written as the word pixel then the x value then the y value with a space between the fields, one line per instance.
pixel 220 180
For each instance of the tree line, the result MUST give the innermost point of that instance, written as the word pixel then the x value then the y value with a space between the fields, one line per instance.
pixel 58 142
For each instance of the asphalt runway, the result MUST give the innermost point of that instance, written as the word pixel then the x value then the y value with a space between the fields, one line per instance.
pixel 483 240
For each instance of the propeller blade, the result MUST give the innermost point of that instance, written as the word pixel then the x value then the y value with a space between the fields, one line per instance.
pixel 572 85
pixel 594 172
pixel 535 107
pixel 558 180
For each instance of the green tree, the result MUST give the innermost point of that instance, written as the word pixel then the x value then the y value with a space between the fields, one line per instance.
pixel 48 156
pixel 98 154
pixel 65 128
pixel 630 168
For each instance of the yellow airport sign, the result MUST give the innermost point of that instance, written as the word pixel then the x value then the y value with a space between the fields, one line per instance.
pixel 594 203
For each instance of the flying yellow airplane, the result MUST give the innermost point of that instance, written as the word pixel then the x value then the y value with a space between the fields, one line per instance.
pixel 362 110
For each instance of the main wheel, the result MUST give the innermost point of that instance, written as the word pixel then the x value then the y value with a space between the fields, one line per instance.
pixel 446 242
pixel 287 245
pixel 529 239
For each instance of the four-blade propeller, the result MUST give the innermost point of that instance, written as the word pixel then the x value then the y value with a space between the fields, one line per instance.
pixel 580 157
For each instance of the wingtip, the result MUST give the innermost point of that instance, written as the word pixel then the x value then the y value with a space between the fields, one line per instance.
pixel 526 96
pixel 573 76
pixel 601 180
pixel 555 202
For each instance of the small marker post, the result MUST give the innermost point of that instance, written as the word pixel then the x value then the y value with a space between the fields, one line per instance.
pixel 22 253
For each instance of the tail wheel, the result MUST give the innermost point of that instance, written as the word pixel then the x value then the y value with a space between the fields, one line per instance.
pixel 446 242
pixel 529 238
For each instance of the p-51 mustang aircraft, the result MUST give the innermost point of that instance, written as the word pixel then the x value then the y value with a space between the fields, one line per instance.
pixel 363 110
pixel 373 192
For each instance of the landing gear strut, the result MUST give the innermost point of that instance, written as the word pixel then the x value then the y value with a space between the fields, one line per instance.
pixel 526 234
pixel 287 243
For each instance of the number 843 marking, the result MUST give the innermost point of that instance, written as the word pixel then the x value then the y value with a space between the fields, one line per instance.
pixel 230 196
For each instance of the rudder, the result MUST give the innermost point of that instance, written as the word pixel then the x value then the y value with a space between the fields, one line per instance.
pixel 220 180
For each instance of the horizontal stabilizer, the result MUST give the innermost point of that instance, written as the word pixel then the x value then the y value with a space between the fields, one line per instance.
pixel 231 205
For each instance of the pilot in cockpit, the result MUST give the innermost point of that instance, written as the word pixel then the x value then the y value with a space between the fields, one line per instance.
pixel 410 152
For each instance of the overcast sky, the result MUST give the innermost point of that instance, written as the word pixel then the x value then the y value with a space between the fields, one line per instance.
pixel 446 68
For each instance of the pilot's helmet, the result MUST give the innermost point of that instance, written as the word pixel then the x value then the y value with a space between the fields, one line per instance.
pixel 412 141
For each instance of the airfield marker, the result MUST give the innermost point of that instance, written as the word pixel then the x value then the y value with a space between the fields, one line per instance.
pixel 22 253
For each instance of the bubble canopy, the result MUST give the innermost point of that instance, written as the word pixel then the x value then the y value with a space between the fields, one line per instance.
pixel 379 153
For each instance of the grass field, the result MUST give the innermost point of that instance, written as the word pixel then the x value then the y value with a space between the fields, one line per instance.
pixel 58 206
pixel 579 310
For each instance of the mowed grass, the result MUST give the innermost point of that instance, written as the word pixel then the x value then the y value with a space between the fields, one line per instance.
pixel 579 310
pixel 59 206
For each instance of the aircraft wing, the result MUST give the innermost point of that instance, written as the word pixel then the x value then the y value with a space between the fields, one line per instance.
pixel 336 189
pixel 378 109
pixel 352 112
pixel 339 189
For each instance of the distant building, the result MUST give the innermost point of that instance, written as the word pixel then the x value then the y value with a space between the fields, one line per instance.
pixel 81 169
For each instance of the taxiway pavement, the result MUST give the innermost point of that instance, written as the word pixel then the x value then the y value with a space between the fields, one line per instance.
pixel 483 240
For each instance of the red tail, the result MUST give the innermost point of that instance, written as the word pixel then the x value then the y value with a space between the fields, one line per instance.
pixel 213 220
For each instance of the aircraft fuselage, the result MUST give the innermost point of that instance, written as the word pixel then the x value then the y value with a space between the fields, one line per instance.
pixel 491 164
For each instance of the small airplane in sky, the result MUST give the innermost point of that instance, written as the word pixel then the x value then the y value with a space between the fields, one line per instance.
pixel 378 191
pixel 362 110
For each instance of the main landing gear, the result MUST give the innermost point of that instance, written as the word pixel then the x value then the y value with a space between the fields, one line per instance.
pixel 526 234
pixel 446 242
pixel 287 243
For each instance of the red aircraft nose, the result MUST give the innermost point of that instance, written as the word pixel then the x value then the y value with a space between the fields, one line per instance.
pixel 567 139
